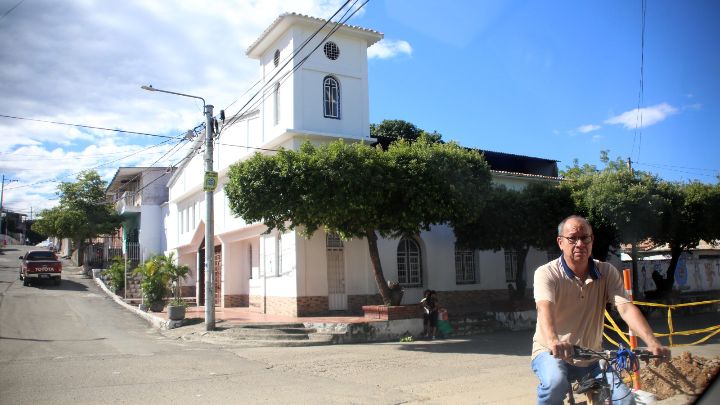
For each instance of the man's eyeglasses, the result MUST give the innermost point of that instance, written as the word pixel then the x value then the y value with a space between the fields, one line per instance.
pixel 573 240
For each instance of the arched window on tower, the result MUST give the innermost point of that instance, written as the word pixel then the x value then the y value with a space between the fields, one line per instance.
pixel 331 97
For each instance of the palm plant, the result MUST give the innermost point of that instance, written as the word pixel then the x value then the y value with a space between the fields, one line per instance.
pixel 154 281
pixel 175 272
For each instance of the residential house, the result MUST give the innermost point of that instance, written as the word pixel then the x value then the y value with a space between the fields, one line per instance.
pixel 138 193
pixel 322 98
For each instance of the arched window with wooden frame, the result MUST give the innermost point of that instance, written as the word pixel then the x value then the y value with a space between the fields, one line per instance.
pixel 331 97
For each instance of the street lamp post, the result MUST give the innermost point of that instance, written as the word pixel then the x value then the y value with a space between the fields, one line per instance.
pixel 209 187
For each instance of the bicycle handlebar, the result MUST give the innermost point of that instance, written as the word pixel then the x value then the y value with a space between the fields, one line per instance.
pixel 581 353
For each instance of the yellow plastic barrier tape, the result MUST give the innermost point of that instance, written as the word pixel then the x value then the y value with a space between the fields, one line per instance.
pixel 712 330
pixel 616 329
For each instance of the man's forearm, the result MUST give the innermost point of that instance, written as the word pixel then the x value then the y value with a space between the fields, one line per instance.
pixel 638 324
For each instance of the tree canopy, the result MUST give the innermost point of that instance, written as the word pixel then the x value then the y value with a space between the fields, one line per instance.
pixel 629 206
pixel 82 213
pixel 516 220
pixel 399 129
pixel 356 190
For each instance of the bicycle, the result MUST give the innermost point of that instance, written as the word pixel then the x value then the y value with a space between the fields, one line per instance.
pixel 599 390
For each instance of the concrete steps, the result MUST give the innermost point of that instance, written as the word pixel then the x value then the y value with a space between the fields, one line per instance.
pixel 276 335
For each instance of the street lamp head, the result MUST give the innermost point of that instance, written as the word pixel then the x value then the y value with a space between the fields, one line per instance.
pixel 148 88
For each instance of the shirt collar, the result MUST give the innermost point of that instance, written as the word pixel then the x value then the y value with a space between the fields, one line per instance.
pixel 594 272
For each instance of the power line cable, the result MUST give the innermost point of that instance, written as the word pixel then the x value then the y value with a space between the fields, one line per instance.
pixel 58 179
pixel 10 11
pixel 641 91
pixel 89 127
pixel 242 109
pixel 286 75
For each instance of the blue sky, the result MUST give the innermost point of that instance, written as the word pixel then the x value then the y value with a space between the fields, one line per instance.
pixel 553 79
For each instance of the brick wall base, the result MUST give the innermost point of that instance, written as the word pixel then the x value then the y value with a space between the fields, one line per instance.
pixel 390 313
pixel 241 300
pixel 357 302
pixel 476 301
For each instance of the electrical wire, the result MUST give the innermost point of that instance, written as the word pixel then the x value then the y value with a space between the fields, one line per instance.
pixel 58 179
pixel 89 127
pixel 641 92
pixel 244 109
pixel 11 9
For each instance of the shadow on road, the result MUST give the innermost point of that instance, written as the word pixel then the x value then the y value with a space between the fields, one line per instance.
pixel 52 340
pixel 501 343
pixel 65 285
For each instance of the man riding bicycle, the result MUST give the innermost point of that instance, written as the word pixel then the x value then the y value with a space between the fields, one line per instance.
pixel 570 295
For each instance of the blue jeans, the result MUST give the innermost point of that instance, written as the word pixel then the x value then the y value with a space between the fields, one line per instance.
pixel 555 376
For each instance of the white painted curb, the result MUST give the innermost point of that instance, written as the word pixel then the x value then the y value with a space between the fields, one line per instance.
pixel 155 321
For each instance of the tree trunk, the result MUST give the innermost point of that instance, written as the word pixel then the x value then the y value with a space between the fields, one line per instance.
pixel 633 256
pixel 80 243
pixel 377 266
pixel 675 252
pixel 520 282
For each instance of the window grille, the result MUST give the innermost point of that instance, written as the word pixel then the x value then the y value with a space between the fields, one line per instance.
pixel 409 263
pixel 511 264
pixel 331 50
pixel 464 266
pixel 331 98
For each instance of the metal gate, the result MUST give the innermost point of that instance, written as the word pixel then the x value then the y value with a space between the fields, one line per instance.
pixel 337 298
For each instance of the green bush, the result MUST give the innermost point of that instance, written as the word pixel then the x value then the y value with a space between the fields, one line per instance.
pixel 116 274
pixel 154 280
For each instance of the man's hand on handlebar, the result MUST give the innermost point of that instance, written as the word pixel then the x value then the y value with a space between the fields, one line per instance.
pixel 561 350
pixel 663 353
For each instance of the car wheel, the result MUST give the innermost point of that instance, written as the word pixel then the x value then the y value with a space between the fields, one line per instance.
pixel 26 282
pixel 57 281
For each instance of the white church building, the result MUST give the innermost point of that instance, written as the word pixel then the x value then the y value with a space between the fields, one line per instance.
pixel 321 99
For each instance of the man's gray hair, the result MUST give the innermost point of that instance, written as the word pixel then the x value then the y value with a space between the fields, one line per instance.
pixel 561 226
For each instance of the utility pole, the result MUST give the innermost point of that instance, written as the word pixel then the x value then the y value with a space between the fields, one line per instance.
pixel 209 185
pixel 2 209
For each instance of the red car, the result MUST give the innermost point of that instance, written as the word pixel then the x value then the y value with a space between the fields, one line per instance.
pixel 38 265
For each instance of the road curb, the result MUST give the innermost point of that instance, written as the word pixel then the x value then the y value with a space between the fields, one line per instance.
pixel 156 321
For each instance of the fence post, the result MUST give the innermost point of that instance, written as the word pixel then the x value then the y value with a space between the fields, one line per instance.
pixel 627 281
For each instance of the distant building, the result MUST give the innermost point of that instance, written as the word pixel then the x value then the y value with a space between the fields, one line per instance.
pixel 697 270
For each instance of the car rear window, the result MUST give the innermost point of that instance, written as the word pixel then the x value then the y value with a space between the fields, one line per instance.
pixel 41 256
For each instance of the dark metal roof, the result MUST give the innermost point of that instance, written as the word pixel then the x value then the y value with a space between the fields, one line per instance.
pixel 507 162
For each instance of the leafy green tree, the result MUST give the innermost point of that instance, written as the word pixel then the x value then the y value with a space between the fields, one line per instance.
pixel 619 201
pixel 358 191
pixel 82 214
pixel 577 182
pixel 399 129
pixel 517 221
pixel 691 216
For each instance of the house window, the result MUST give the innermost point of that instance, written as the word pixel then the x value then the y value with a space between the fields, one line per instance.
pixel 511 265
pixel 278 268
pixel 250 262
pixel 331 97
pixel 464 266
pixel 276 102
pixel 276 58
pixel 409 263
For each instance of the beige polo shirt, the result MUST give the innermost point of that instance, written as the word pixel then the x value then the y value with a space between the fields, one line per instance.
pixel 579 306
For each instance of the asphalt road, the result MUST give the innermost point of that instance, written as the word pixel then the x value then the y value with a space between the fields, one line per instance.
pixel 73 345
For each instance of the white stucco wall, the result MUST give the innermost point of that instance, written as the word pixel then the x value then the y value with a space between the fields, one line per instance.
pixel 151 228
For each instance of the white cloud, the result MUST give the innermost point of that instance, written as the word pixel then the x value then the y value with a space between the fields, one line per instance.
pixel 588 128
pixel 649 115
pixel 80 61
pixel 386 48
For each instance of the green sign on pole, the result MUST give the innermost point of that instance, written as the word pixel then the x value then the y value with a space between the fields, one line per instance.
pixel 211 180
